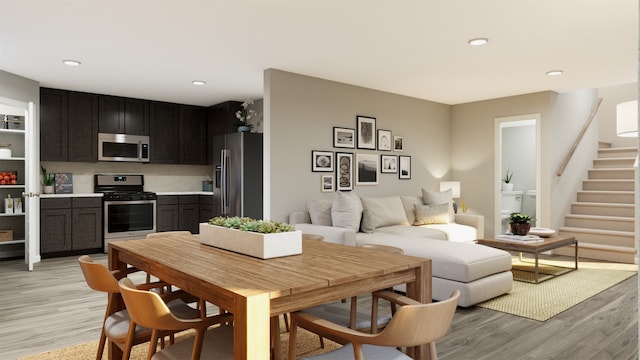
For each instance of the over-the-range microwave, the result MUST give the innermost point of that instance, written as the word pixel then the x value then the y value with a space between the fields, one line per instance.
pixel 122 147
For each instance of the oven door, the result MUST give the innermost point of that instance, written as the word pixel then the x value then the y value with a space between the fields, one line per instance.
pixel 128 220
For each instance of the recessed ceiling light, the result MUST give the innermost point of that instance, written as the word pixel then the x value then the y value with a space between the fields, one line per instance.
pixel 71 62
pixel 554 72
pixel 199 82
pixel 478 41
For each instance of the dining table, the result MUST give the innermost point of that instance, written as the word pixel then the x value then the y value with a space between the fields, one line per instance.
pixel 255 290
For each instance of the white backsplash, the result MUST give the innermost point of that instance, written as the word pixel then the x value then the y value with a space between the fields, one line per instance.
pixel 157 178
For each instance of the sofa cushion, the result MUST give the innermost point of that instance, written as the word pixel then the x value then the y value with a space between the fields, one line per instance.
pixel 413 232
pixel 409 203
pixel 346 210
pixel 432 214
pixel 369 220
pixel 464 262
pixel 455 232
pixel 320 212
pixel 439 197
pixel 385 210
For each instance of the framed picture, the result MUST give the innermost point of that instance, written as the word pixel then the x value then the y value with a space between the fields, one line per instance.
pixel 404 167
pixel 398 143
pixel 344 171
pixel 388 164
pixel 384 140
pixel 366 132
pixel 327 183
pixel 321 161
pixel 367 169
pixel 344 137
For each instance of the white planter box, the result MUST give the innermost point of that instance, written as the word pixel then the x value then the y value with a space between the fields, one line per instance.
pixel 263 246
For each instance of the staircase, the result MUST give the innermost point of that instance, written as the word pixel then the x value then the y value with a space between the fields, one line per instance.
pixel 603 217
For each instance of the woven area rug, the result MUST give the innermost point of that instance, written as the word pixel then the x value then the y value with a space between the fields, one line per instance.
pixel 307 344
pixel 547 299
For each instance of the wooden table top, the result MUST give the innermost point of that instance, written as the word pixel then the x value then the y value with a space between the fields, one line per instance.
pixel 554 241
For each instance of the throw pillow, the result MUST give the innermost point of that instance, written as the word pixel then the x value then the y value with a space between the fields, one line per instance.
pixel 409 203
pixel 437 198
pixel 432 214
pixel 386 210
pixel 320 212
pixel 368 224
pixel 346 210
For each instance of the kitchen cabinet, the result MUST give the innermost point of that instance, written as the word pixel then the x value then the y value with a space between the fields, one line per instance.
pixel 221 120
pixel 193 135
pixel 183 212
pixel 164 134
pixel 206 208
pixel 119 115
pixel 68 126
pixel 189 213
pixel 69 225
pixel 167 213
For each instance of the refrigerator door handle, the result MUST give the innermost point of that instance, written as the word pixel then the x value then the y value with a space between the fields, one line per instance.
pixel 224 188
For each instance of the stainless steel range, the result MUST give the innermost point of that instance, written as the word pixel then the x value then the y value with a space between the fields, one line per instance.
pixel 129 211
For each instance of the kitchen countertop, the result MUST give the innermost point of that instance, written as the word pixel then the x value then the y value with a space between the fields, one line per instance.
pixel 55 196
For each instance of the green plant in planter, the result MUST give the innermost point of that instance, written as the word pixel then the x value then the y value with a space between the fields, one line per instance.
pixel 507 177
pixel 253 225
pixel 520 223
pixel 520 218
pixel 47 177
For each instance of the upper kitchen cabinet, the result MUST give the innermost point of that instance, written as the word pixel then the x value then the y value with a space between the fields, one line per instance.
pixel 64 116
pixel 222 120
pixel 193 135
pixel 120 115
pixel 164 133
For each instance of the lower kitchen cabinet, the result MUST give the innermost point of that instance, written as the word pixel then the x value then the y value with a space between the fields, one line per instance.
pixel 183 212
pixel 167 213
pixel 69 225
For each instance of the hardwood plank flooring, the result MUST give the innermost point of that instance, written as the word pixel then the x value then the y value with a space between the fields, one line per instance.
pixel 52 307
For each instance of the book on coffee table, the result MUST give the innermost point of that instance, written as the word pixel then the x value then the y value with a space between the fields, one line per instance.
pixel 520 238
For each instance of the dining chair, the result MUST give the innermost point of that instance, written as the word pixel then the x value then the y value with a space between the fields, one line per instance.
pixel 116 324
pixel 412 325
pixel 147 309
pixel 348 314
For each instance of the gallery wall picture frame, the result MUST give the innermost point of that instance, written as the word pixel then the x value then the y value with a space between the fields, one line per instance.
pixel 367 169
pixel 366 132
pixel 327 184
pixel 404 167
pixel 384 140
pixel 344 171
pixel 398 143
pixel 344 137
pixel 389 164
pixel 321 161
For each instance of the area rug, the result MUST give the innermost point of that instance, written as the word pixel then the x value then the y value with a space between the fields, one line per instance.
pixel 547 299
pixel 307 344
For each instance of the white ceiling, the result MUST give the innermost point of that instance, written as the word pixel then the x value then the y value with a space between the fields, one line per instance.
pixel 153 49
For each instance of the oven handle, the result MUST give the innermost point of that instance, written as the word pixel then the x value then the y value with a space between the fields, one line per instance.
pixel 129 202
pixel 224 162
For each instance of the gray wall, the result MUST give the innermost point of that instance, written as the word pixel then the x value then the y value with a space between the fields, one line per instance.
pixel 299 115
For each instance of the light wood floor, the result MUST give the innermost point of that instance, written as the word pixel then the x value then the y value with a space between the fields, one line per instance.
pixel 52 307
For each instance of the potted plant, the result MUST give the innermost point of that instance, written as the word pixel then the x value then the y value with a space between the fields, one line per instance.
pixel 258 238
pixel 47 180
pixel 506 180
pixel 520 223
pixel 244 115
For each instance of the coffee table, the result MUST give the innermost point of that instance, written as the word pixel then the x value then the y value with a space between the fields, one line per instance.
pixel 536 249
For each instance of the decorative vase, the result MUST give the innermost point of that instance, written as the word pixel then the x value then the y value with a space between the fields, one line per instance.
pixel 520 228
pixel 507 187
pixel 244 129
pixel 48 189
pixel 263 246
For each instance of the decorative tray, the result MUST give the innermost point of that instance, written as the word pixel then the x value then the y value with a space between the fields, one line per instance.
pixel 542 232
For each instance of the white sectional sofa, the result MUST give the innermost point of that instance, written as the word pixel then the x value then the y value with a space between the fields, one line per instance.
pixel 479 272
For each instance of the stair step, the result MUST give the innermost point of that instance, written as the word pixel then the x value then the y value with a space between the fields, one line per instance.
pixel 617 152
pixel 604 144
pixel 612 173
pixel 606 254
pixel 624 240
pixel 608 163
pixel 609 184
pixel 617 197
pixel 600 222
pixel 607 209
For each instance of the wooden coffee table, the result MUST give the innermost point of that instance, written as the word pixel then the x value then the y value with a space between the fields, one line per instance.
pixel 536 249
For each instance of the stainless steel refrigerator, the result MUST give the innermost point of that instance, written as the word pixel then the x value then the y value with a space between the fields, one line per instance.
pixel 237 160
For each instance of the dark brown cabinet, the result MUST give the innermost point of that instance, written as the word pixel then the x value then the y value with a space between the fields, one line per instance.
pixel 164 134
pixel 206 208
pixel 167 213
pixel 193 135
pixel 64 116
pixel 221 120
pixel 183 212
pixel 70 224
pixel 120 115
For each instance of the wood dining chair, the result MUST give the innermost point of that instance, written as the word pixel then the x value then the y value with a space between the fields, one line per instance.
pixel 147 309
pixel 412 325
pixel 116 325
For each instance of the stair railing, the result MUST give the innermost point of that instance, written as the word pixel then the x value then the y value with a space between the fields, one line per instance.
pixel 565 162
